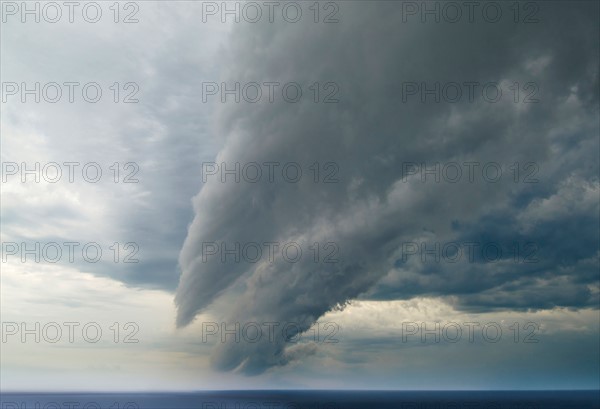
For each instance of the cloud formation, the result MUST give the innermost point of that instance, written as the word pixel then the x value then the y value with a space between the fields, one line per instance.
pixel 379 204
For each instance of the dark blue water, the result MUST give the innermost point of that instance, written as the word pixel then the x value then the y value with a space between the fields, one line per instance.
pixel 294 399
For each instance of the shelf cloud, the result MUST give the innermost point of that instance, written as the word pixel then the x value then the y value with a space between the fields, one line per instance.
pixel 511 98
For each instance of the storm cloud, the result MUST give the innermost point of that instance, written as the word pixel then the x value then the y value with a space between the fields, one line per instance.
pixel 378 204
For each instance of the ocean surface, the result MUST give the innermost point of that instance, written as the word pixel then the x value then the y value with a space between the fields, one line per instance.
pixel 307 399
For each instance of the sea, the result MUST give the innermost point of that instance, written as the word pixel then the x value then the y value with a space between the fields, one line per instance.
pixel 307 399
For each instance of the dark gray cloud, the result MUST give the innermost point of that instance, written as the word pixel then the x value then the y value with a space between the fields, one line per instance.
pixel 370 133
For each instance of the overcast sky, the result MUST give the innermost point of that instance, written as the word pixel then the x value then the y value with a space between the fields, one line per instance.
pixel 430 169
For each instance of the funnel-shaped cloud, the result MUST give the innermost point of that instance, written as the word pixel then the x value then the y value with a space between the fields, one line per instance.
pixel 377 205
